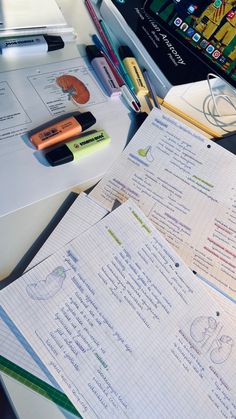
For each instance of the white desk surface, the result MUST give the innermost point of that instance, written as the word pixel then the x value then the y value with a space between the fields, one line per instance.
pixel 20 229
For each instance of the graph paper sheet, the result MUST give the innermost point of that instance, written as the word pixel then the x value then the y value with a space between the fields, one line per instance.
pixel 185 184
pixel 82 214
pixel 125 327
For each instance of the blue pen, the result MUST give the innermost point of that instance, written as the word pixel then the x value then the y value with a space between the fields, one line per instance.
pixel 120 63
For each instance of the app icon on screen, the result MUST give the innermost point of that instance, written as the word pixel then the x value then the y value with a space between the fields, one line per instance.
pixel 222 59
pixel 217 3
pixel 231 14
pixel 190 32
pixel 216 54
pixel 191 9
pixel 210 49
pixel 177 21
pixel 204 43
pixel 196 37
pixel 184 27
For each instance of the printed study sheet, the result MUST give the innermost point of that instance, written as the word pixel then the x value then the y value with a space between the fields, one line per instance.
pixel 34 96
pixel 121 323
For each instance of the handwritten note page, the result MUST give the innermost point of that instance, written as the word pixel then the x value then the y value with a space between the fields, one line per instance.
pixel 186 185
pixel 12 349
pixel 125 327
pixel 83 213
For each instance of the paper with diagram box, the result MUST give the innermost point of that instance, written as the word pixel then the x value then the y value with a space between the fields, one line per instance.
pixel 120 321
pixel 34 96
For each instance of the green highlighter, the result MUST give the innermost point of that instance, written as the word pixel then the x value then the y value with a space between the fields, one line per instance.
pixel 77 148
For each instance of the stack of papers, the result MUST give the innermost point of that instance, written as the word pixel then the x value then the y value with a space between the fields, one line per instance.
pixel 26 17
pixel 17 358
pixel 116 318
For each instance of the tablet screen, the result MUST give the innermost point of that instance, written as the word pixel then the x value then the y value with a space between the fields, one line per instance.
pixel 186 38
pixel 207 28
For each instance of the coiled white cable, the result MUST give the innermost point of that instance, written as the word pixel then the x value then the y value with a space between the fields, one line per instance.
pixel 210 107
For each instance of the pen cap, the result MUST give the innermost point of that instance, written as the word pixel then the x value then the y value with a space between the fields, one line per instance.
pixel 86 120
pixel 124 52
pixel 93 52
pixel 54 42
pixel 59 155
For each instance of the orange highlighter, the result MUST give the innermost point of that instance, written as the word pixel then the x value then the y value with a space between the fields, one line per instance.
pixel 62 130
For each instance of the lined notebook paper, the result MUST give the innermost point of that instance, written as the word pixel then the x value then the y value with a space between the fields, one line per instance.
pixel 16 357
pixel 18 360
pixel 125 328
pixel 83 213
pixel 185 184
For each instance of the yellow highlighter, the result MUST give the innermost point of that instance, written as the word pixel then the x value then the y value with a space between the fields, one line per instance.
pixel 77 148
pixel 133 70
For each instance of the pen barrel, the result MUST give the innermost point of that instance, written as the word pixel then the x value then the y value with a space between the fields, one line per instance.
pixel 126 76
pixel 56 133
pixel 23 45
pixel 62 130
pixel 88 144
pixel 106 76
pixel 100 30
pixel 151 89
pixel 128 97
pixel 35 44
pixel 133 103
pixel 113 52
pixel 136 76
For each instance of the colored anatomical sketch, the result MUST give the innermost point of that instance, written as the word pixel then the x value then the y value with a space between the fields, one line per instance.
pixel 67 90
pixel 75 88
pixel 47 288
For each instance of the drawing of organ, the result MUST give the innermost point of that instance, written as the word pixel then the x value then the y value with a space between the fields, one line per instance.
pixel 75 88
pixel 202 328
pixel 47 288
pixel 221 353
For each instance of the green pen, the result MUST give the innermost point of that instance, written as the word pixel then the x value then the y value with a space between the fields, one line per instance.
pixel 77 148
pixel 121 66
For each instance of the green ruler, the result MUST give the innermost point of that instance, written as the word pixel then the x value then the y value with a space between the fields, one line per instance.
pixel 37 385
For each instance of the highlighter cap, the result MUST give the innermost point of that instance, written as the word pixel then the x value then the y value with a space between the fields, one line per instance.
pixel 59 155
pixel 54 42
pixel 93 52
pixel 86 120
pixel 124 52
